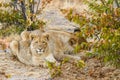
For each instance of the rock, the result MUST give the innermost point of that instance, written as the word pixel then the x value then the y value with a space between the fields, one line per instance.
pixel 56 21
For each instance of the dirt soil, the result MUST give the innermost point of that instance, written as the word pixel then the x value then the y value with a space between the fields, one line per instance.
pixel 12 69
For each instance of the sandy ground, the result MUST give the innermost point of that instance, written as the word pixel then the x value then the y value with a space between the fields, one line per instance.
pixel 12 69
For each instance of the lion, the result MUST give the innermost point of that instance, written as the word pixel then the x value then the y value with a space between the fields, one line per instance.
pixel 59 44
pixel 26 36
pixel 29 35
pixel 21 49
pixel 49 46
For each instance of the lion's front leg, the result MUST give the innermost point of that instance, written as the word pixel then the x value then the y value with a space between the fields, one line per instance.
pixel 71 58
pixel 50 58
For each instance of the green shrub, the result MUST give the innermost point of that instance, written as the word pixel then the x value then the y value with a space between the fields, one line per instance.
pixel 11 30
pixel 20 14
pixel 106 23
pixel 102 25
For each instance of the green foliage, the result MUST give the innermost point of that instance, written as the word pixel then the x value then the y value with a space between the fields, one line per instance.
pixel 11 18
pixel 55 70
pixel 38 24
pixel 106 21
pixel 102 25
pixel 11 30
pixel 80 64
pixel 65 60
pixel 81 47
pixel 20 14
pixel 89 54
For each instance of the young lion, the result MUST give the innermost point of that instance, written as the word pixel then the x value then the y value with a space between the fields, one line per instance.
pixel 22 49
pixel 29 35
pixel 50 46
pixel 57 43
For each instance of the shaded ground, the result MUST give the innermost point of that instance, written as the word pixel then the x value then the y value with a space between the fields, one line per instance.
pixel 93 70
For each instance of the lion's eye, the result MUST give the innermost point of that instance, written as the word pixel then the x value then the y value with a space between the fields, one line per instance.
pixel 36 42
pixel 43 42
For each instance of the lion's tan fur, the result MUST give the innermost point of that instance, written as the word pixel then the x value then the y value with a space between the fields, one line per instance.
pixel 35 49
pixel 59 44
pixel 22 48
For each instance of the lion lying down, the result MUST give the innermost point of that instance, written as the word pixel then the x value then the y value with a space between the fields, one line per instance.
pixel 36 47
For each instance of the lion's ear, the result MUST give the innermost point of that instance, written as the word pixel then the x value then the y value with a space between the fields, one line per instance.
pixel 72 41
pixel 46 37
pixel 32 37
pixel 25 35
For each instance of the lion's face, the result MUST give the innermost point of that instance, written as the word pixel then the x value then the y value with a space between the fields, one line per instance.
pixel 39 45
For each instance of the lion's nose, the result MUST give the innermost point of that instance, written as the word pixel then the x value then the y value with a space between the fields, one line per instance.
pixel 41 50
pixel 38 50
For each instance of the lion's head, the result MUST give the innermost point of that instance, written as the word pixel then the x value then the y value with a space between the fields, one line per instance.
pixel 39 45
